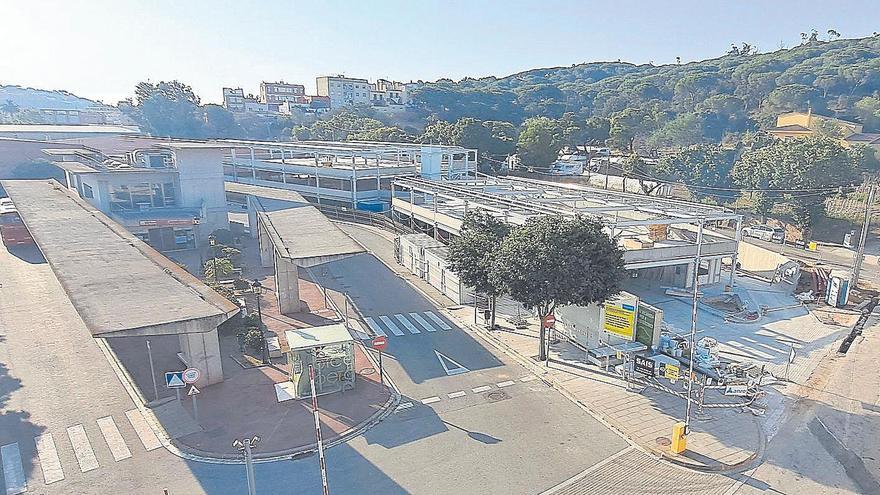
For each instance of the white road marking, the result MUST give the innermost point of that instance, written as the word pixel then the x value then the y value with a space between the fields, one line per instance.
pixel 480 390
pixel 430 400
pixel 374 326
pixel 440 323
pixel 528 378
pixel 455 395
pixel 404 405
pixel 409 326
pixel 421 321
pixel 113 438
pixel 48 455
pixel 13 472
pixel 143 430
pixel 455 368
pixel 85 456
pixel 391 326
pixel 505 384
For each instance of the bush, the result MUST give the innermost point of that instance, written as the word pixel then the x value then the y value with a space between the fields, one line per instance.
pixel 253 338
pixel 223 237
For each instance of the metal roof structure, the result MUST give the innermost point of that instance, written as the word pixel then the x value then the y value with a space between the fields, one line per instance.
pixel 518 198
pixel 119 285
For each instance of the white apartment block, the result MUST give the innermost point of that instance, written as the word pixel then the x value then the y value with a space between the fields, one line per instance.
pixel 276 93
pixel 384 92
pixel 343 90
pixel 233 99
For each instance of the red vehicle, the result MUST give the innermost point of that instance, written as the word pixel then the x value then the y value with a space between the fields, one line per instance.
pixel 12 229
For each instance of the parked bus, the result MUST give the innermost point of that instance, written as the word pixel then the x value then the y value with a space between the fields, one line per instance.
pixel 12 229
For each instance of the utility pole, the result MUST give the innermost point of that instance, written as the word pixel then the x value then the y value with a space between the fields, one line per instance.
pixel 860 254
pixel 693 337
pixel 320 440
pixel 245 446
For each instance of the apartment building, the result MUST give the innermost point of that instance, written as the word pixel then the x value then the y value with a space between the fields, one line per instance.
pixel 384 92
pixel 233 99
pixel 274 94
pixel 344 91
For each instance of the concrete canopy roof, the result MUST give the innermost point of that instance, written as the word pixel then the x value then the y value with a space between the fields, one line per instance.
pixel 265 192
pixel 118 284
pixel 306 237
pixel 306 338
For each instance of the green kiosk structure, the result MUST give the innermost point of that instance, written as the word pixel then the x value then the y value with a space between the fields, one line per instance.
pixel 330 349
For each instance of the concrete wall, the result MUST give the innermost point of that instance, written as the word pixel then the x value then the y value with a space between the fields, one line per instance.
pixel 202 351
pixel 758 259
pixel 201 186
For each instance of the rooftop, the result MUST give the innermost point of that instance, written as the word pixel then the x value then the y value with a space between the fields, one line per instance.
pixel 306 237
pixel 790 128
pixel 306 338
pixel 118 284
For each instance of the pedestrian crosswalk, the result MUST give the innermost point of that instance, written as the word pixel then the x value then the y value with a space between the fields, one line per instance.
pixel 84 440
pixel 402 325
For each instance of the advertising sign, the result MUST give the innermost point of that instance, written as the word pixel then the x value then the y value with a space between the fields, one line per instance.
pixel 643 365
pixel 645 322
pixel 669 371
pixel 619 320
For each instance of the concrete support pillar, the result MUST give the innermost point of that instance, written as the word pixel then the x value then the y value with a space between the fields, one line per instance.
pixel 202 351
pixel 266 249
pixel 287 286
pixel 252 217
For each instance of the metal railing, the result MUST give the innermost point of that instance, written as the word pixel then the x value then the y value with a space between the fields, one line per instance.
pixel 374 219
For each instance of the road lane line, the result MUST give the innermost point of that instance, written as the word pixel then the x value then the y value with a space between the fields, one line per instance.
pixel 374 326
pixel 113 438
pixel 143 430
pixel 430 400
pixel 85 456
pixel 480 390
pixel 440 323
pixel 455 395
pixel 391 326
pixel 404 405
pixel 505 384
pixel 49 461
pixel 421 321
pixel 13 472
pixel 409 326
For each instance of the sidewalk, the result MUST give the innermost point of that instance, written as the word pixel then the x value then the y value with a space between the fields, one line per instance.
pixel 723 440
pixel 245 403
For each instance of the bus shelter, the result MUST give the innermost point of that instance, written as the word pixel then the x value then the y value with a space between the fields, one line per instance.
pixel 330 349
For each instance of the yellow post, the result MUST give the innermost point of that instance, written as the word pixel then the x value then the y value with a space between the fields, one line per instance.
pixel 679 438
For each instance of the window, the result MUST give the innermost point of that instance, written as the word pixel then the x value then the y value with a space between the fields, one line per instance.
pixel 169 194
pixel 120 198
pixel 141 195
pixel 87 191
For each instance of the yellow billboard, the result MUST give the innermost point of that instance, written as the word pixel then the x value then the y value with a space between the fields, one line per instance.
pixel 620 319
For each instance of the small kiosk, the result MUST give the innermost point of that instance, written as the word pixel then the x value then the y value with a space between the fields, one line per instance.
pixel 330 349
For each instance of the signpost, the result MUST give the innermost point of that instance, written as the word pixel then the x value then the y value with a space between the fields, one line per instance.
pixel 174 379
pixel 193 392
pixel 791 355
pixel 191 375
pixel 549 320
pixel 380 344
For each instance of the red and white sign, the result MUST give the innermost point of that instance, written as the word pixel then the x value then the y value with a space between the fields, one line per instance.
pixel 379 343
pixel 191 375
pixel 549 320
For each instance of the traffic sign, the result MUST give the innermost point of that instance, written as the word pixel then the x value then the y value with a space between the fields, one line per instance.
pixel 379 343
pixel 193 390
pixel 549 320
pixel 191 375
pixel 174 379
pixel 791 355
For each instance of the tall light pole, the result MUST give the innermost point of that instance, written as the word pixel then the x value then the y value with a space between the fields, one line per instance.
pixel 257 289
pixel 246 446
pixel 212 241
pixel 693 337
pixel 860 252
pixel 152 370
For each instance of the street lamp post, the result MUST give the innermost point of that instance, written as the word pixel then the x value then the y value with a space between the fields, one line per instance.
pixel 246 446
pixel 257 289
pixel 152 370
pixel 212 241
pixel 693 334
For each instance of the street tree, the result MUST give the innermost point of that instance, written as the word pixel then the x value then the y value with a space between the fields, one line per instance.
pixel 700 168
pixel 472 254
pixel 539 142
pixel 552 261
pixel 218 267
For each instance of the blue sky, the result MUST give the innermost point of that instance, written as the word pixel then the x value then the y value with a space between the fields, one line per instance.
pixel 101 48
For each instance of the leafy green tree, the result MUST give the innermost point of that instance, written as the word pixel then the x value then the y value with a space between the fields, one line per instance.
pixel 539 142
pixel 168 109
pixel 700 167
pixel 815 165
pixel 868 111
pixel 472 253
pixel 628 125
pixel 222 265
pixel 683 130
pixel 219 123
pixel 552 261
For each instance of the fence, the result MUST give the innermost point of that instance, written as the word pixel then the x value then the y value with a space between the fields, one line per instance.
pixel 380 220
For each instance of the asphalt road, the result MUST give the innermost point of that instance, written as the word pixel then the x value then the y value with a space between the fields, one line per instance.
pixel 521 437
